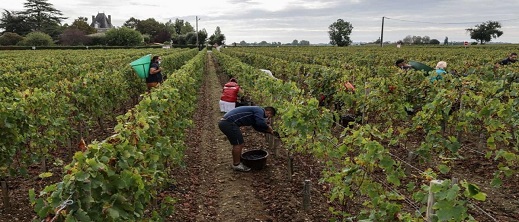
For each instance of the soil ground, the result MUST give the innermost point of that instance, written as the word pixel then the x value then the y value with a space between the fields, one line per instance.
pixel 209 190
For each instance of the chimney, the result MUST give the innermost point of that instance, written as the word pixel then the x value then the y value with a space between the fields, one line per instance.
pixel 93 19
pixel 109 21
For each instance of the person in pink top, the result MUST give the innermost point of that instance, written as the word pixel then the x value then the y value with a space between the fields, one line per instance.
pixel 229 95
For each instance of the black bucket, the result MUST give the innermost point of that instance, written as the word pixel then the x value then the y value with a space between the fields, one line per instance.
pixel 255 159
pixel 346 120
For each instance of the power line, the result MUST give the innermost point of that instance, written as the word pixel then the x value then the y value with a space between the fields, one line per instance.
pixel 447 23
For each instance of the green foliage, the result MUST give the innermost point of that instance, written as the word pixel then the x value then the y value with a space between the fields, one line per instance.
pixel 117 178
pixel 37 39
pixel 485 31
pixel 123 37
pixel 97 39
pixel 434 42
pixel 179 27
pixel 149 26
pixel 74 36
pixel 131 23
pixel 41 15
pixel 15 22
pixel 450 110
pixel 162 37
pixel 82 25
pixel 217 37
pixel 340 32
pixel 10 38
pixel 146 38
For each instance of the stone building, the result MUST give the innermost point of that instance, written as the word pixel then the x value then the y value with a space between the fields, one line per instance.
pixel 101 22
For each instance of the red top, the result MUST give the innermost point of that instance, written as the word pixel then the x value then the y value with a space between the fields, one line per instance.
pixel 349 86
pixel 230 92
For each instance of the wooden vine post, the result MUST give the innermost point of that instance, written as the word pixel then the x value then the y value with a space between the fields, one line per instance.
pixel 273 141
pixel 290 166
pixel 271 137
pixel 5 195
pixel 411 156
pixel 430 201
pixel 306 195
pixel 277 146
pixel 366 92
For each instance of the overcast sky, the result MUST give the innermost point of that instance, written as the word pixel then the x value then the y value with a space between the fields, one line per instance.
pixel 287 20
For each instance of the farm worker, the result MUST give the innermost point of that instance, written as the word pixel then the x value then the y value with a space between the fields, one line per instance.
pixel 229 95
pixel 268 72
pixel 349 87
pixel 440 71
pixel 231 122
pixel 400 63
pixel 216 46
pixel 512 58
pixel 155 75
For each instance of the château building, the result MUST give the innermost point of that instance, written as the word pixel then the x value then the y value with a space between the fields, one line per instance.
pixel 101 22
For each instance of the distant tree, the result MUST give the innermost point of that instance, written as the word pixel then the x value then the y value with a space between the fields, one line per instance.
pixel 417 40
pixel 42 16
pixel 202 36
pixel 81 24
pixel 178 26
pixel 162 36
pixel 10 38
pixel 340 33
pixel 191 38
pixel 150 26
pixel 187 28
pixel 123 36
pixel 295 42
pixel 217 37
pixel 146 38
pixel 434 42
pixel 377 41
pixel 485 31
pixel 37 39
pixel 181 40
pixel 426 40
pixel 14 22
pixel 446 40
pixel 97 39
pixel 243 43
pixel 74 36
pixel 304 42
pixel 408 40
pixel 131 23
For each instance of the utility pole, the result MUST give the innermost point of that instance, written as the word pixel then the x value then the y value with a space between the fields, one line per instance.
pixel 197 46
pixel 382 33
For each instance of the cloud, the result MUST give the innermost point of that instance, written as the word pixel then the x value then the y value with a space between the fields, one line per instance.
pixel 286 20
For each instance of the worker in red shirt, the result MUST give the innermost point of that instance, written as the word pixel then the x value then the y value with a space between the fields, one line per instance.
pixel 229 95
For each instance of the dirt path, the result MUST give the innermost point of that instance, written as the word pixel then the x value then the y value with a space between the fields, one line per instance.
pixel 216 192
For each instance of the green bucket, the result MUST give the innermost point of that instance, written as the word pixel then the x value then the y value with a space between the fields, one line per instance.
pixel 142 66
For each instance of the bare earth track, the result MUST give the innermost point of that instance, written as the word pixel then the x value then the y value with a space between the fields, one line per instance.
pixel 209 190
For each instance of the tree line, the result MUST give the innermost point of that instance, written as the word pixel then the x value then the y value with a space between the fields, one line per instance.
pixel 39 24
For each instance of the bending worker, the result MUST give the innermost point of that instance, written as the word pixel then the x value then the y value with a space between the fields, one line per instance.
pixel 231 122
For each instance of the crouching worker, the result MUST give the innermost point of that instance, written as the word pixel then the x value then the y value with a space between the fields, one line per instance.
pixel 229 95
pixel 231 122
